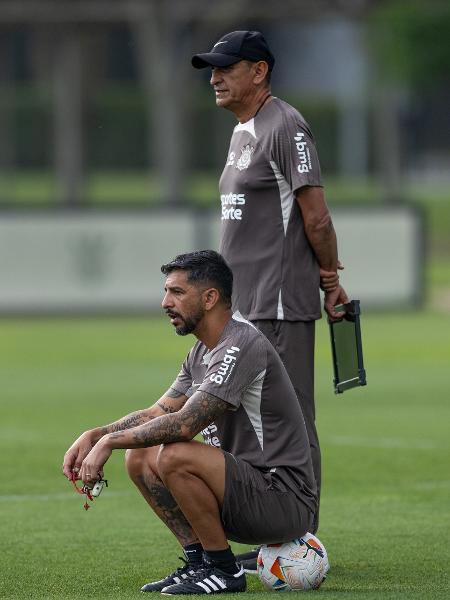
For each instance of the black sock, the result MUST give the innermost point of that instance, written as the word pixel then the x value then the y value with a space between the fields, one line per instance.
pixel 222 559
pixel 194 553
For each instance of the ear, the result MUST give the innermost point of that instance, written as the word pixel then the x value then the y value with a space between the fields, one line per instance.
pixel 211 297
pixel 261 70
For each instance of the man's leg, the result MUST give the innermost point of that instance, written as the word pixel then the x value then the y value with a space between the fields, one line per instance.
pixel 184 484
pixel 141 467
pixel 195 475
pixel 294 342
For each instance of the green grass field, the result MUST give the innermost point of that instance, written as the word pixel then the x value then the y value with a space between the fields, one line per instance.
pixel 385 516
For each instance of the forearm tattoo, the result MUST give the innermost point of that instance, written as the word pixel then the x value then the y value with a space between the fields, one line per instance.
pixel 132 420
pixel 171 394
pixel 165 408
pixel 198 412
pixel 165 506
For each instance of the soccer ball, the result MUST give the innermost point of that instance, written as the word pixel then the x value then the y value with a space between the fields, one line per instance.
pixel 298 565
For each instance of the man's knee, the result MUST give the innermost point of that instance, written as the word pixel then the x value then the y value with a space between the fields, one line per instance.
pixel 134 462
pixel 140 461
pixel 172 457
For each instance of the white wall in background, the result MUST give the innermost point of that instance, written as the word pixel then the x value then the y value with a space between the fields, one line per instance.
pixel 110 261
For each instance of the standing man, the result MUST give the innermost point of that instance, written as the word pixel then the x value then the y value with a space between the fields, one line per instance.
pixel 252 481
pixel 277 233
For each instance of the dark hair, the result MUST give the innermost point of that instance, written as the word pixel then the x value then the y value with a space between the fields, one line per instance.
pixel 204 266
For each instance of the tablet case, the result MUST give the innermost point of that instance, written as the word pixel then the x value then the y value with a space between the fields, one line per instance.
pixel 346 346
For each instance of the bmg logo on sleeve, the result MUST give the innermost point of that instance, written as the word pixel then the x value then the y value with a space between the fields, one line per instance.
pixel 303 153
pixel 226 366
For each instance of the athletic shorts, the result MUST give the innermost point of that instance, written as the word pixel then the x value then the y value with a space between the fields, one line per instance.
pixel 294 342
pixel 258 508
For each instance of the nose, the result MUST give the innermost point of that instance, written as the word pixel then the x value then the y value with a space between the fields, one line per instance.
pixel 215 76
pixel 166 303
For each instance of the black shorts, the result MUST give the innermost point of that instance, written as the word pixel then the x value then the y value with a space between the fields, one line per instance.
pixel 258 509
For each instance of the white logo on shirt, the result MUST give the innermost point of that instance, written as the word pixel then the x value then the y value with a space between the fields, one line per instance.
pixel 232 200
pixel 303 153
pixel 226 366
pixel 246 157
pixel 208 436
pixel 230 159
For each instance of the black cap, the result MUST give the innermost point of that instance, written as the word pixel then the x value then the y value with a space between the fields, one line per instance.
pixel 233 47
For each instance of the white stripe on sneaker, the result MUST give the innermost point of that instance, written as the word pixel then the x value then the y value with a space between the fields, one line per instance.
pixel 240 572
pixel 210 583
pixel 203 586
pixel 177 580
pixel 218 581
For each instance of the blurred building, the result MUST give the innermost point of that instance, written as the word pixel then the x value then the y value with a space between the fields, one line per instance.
pixel 100 108
pixel 97 85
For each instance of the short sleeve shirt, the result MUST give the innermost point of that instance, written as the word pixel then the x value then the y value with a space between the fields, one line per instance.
pixel 264 424
pixel 276 274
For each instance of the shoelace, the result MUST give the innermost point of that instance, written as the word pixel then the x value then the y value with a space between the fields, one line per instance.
pixel 202 573
pixel 181 569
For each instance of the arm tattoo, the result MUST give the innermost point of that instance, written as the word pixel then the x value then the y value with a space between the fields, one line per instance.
pixel 198 412
pixel 132 420
pixel 166 409
pixel 165 506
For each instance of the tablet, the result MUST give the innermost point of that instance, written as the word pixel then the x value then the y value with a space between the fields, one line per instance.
pixel 346 347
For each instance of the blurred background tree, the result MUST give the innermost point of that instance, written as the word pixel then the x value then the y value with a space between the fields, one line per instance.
pixel 411 56
pixel 99 104
pixel 411 42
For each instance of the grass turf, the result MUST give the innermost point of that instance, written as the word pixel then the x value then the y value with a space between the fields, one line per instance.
pixel 386 449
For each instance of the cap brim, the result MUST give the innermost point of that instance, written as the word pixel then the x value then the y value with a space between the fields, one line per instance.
pixel 213 59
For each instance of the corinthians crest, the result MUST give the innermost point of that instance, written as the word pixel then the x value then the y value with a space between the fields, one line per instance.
pixel 245 158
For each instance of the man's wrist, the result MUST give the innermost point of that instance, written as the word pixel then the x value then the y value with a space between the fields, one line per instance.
pixel 97 434
pixel 113 441
pixel 105 441
pixel 329 280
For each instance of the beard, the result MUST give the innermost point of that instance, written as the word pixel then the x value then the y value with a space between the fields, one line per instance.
pixel 190 322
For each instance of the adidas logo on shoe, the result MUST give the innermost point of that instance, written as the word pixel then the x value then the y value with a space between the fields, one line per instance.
pixel 209 580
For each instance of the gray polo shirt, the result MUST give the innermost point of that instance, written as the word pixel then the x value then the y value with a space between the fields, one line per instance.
pixel 264 425
pixel 276 275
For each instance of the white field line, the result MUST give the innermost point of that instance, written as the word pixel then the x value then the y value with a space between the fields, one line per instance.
pixel 432 485
pixel 381 442
pixel 51 497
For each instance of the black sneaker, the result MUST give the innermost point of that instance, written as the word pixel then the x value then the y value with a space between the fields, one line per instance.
pixel 209 580
pixel 248 561
pixel 177 576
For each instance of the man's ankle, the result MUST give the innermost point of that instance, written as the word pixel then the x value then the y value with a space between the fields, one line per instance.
pixel 194 554
pixel 222 559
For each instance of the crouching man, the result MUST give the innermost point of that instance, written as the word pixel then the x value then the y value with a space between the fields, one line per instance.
pixel 252 480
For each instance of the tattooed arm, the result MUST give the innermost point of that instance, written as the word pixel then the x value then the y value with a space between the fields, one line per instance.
pixel 181 426
pixel 171 402
pixel 198 412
